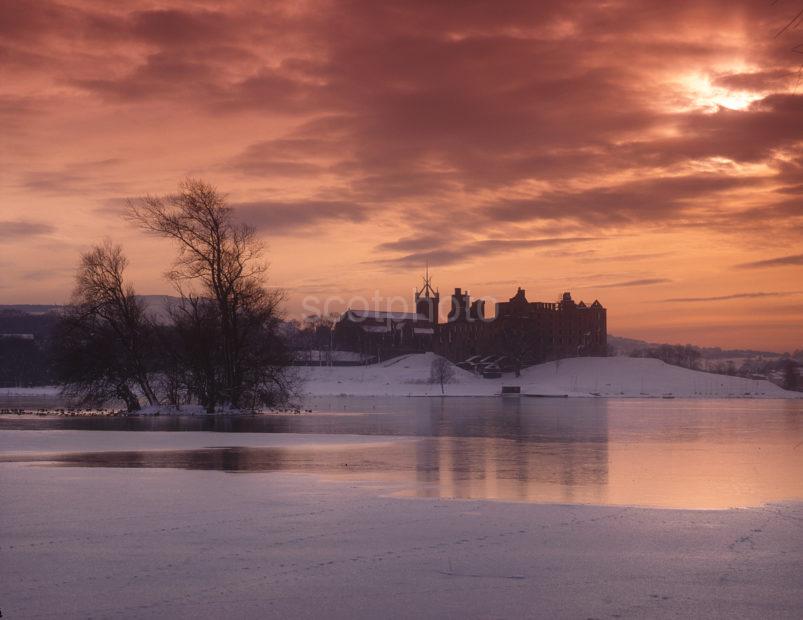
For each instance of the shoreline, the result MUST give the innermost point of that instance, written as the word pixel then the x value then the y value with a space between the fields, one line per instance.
pixel 61 411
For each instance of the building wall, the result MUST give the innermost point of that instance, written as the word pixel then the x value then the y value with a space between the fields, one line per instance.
pixel 392 338
pixel 528 332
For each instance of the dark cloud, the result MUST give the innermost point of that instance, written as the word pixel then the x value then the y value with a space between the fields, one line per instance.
pixel 780 261
pixel 172 27
pixel 53 181
pixel 649 199
pixel 283 157
pixel 77 177
pixel 285 217
pixel 634 257
pixel 628 283
pixel 414 243
pixel 160 75
pixel 470 251
pixel 756 80
pixel 43 275
pixel 755 295
pixel 19 229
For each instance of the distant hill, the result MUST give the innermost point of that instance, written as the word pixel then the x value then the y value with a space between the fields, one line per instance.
pixel 625 346
pixel 13 321
pixel 34 309
pixel 158 305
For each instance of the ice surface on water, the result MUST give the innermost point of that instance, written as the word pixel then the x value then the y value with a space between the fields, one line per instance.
pixel 681 454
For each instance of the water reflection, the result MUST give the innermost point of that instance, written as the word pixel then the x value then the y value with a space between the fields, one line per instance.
pixel 523 419
pixel 684 454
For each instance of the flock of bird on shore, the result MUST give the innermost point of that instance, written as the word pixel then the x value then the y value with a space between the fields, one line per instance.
pixel 67 412
pixel 115 413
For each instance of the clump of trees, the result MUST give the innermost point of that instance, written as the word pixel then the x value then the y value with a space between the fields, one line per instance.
pixel 24 362
pixel 104 341
pixel 791 375
pixel 313 338
pixel 221 346
pixel 686 356
pixel 25 348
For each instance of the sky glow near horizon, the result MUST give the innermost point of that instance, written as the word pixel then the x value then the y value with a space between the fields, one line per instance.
pixel 646 154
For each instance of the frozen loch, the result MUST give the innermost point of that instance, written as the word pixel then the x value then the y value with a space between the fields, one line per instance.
pixel 408 507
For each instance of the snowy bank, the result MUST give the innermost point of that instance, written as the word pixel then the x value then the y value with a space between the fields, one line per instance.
pixel 580 376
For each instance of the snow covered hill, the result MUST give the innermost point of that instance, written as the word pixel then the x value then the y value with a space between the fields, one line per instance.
pixel 626 376
pixel 581 376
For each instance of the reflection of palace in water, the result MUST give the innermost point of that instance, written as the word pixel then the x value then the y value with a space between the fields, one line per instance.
pixel 516 453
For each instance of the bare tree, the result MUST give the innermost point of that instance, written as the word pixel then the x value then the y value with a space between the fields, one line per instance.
pixel 104 338
pixel 221 261
pixel 441 371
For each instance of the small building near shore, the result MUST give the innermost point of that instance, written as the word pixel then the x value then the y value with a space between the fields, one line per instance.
pixel 382 333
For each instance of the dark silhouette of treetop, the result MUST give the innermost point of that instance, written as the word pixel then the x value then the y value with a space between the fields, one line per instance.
pixel 220 273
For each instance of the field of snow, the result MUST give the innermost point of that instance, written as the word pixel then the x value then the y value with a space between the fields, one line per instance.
pixel 581 376
pixel 159 543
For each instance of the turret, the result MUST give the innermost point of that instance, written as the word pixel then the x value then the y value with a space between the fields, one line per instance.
pixel 427 300
pixel 460 306
pixel 477 310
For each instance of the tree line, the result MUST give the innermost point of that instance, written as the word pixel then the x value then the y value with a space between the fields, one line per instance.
pixel 220 346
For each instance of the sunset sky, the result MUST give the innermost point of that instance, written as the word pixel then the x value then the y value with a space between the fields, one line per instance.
pixel 647 154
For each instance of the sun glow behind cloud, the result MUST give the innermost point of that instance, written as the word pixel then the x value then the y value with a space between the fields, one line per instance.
pixel 701 93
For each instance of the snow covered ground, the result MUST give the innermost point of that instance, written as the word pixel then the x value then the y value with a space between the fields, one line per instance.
pixel 158 543
pixel 581 376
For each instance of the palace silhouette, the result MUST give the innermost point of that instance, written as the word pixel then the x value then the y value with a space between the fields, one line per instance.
pixel 526 332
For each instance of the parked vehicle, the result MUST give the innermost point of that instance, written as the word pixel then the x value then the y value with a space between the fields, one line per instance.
pixel 470 363
pixel 491 371
pixel 488 359
pixel 506 364
pixel 493 363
